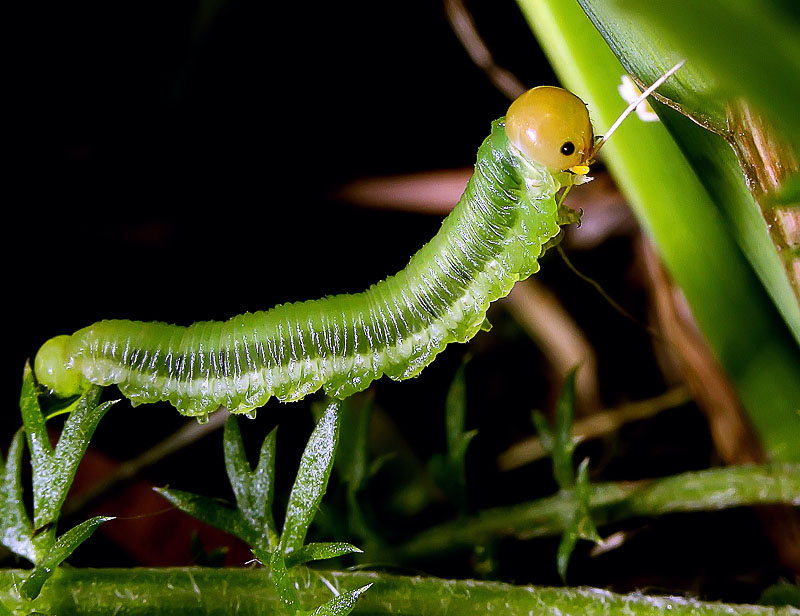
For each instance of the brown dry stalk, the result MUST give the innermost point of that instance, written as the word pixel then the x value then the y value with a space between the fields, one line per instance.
pixel 766 163
pixel 734 439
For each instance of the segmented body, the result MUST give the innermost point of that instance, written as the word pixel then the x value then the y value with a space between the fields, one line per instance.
pixel 493 238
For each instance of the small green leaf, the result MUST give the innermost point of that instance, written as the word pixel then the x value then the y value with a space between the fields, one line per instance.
pixel 254 489
pixel 319 551
pixel 71 446
pixel 279 576
pixel 563 443
pixel 565 548
pixel 312 480
pixel 544 431
pixel 449 470
pixel 352 464
pixel 33 420
pixel 340 605
pixel 214 512
pixel 16 529
pixel 54 470
pixel 581 525
pixel 456 408
pixel 61 550
pixel 353 455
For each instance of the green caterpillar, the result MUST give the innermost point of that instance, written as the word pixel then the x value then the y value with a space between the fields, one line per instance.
pixel 507 217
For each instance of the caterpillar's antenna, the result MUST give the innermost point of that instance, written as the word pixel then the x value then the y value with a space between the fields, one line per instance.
pixel 630 108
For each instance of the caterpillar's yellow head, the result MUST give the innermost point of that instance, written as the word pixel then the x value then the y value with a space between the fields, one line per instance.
pixel 551 126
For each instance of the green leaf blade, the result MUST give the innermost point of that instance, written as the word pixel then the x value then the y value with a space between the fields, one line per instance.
pixel 16 529
pixel 213 512
pixel 581 525
pixel 563 443
pixel 677 212
pixel 62 549
pixel 253 489
pixel 340 605
pixel 312 480
pixel 320 551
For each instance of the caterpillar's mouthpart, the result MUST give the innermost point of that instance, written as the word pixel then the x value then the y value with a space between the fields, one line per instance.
pixel 580 169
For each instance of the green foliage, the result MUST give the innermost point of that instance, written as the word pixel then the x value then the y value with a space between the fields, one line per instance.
pixel 251 519
pixel 320 551
pixel 781 594
pixel 449 469
pixel 17 528
pixel 312 480
pixel 580 526
pixel 54 469
pixel 669 194
pixel 61 550
pixel 254 488
pixel 558 441
pixel 53 472
pixel 340 605
pixel 560 444
pixel 709 90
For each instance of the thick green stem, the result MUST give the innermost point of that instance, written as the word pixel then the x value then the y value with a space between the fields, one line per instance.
pixel 719 488
pixel 245 591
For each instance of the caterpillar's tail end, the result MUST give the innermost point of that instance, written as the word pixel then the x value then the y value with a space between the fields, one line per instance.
pixel 52 369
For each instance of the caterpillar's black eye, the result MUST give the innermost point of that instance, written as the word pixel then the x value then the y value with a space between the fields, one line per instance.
pixel 568 148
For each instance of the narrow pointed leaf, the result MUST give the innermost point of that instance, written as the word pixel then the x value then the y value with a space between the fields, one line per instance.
pixel 15 525
pixel 456 409
pixel 263 490
pixel 35 428
pixel 583 490
pixel 254 489
pixel 312 480
pixel 352 464
pixel 213 512
pixel 53 470
pixel 236 463
pixel 78 431
pixel 340 605
pixel 563 443
pixel 544 431
pixel 61 550
pixel 581 525
pixel 320 551
pixel 283 584
pixel 449 469
pixel 565 548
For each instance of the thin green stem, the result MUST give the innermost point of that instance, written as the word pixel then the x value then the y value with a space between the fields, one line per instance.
pixel 719 488
pixel 246 591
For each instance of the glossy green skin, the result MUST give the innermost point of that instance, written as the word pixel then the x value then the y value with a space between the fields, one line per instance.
pixel 502 224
